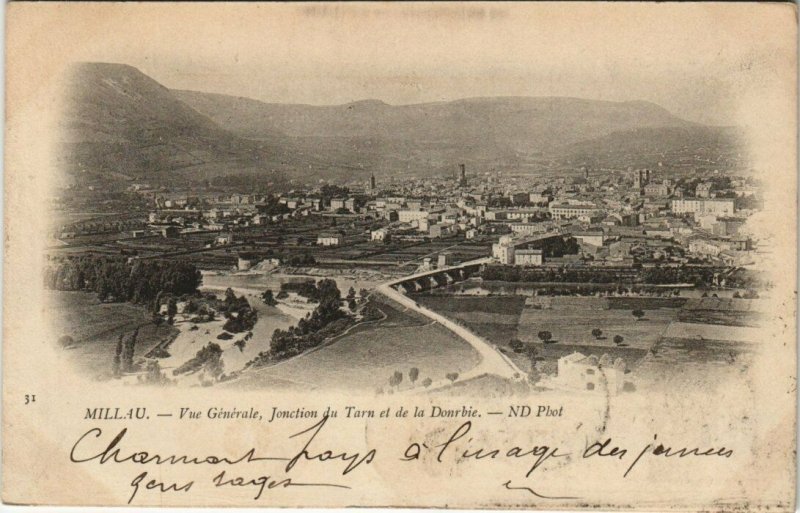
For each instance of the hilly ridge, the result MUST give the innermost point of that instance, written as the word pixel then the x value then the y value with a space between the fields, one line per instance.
pixel 525 123
pixel 121 125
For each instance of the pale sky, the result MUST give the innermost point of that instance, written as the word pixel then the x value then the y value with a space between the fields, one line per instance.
pixel 694 60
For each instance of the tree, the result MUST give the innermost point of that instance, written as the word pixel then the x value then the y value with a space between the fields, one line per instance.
pixel 268 298
pixel 396 379
pixel 157 302
pixel 351 294
pixel 413 374
pixel 190 307
pixel 230 296
pixel 241 317
pixel 351 304
pixel 215 366
pixel 207 358
pixel 452 376
pixel 638 314
pixel 534 375
pixel 363 293
pixel 66 341
pixel 128 350
pixel 545 336
pixel 154 375
pixel 516 345
pixel 116 367
pixel 427 382
pixel 172 309
pixel 597 333
pixel 532 352
pixel 618 339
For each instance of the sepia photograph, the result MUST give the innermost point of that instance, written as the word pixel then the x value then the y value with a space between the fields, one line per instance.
pixel 481 221
pixel 476 245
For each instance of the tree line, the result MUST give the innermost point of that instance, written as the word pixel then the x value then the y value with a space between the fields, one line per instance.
pixel 698 276
pixel 93 227
pixel 117 279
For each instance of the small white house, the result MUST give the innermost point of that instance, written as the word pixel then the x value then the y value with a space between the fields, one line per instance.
pixel 226 238
pixel 580 372
pixel 380 235
pixel 329 239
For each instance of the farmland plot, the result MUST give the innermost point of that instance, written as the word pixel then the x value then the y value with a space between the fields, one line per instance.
pixel 366 356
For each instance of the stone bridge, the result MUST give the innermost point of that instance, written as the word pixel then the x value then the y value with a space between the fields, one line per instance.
pixel 434 278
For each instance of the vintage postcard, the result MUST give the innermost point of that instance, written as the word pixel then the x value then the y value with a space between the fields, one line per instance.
pixel 440 255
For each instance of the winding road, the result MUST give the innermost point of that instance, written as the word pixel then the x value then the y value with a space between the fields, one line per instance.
pixel 492 361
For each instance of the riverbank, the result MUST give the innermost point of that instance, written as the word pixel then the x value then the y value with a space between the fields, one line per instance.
pixel 240 348
pixel 260 280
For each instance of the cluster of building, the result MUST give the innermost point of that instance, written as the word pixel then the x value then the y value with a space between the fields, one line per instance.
pixel 624 223
pixel 616 217
pixel 221 212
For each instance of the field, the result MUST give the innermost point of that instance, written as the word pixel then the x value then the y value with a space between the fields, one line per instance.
pixel 722 311
pixel 704 338
pixel 571 320
pixel 365 357
pixel 720 317
pixel 693 330
pixel 499 319
pixel 704 363
pixel 494 318
pixel 405 252
pixel 645 303
pixel 95 328
pixel 476 310
pixel 486 386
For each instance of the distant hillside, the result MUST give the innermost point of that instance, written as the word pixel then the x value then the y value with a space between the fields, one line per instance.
pixel 494 125
pixel 644 147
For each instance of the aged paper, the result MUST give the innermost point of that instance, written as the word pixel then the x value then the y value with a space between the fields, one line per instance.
pixel 434 255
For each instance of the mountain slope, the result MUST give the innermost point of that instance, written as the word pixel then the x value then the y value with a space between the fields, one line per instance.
pixel 697 146
pixel 120 123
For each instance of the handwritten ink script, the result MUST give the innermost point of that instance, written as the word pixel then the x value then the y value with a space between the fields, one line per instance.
pixel 262 473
